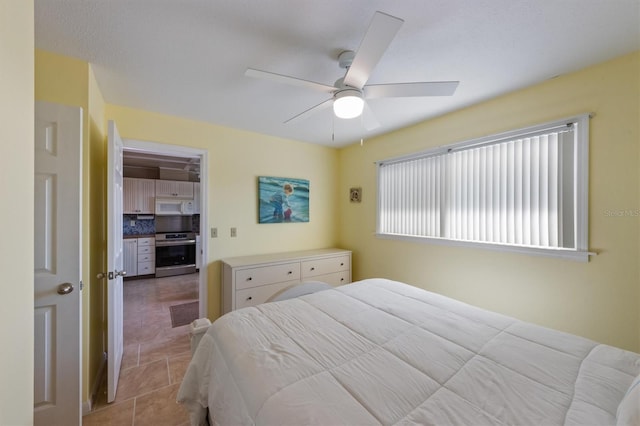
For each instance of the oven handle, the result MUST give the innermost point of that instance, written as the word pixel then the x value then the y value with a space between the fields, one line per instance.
pixel 175 243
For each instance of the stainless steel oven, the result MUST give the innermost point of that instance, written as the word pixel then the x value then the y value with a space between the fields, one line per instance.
pixel 175 246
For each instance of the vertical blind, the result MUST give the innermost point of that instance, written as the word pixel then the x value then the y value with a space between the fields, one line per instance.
pixel 411 197
pixel 519 191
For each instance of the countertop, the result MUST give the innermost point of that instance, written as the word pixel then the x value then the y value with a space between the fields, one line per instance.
pixel 127 237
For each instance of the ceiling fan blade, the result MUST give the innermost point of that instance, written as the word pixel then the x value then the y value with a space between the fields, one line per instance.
pixel 369 120
pixel 381 31
pixel 403 90
pixel 310 111
pixel 266 75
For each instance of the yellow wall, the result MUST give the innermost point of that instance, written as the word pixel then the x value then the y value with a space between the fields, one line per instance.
pixel 599 299
pixel 70 81
pixel 236 159
pixel 94 338
pixel 16 190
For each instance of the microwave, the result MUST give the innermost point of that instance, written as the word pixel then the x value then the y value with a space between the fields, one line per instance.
pixel 174 207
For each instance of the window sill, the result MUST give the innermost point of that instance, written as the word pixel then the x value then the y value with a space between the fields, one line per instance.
pixel 569 254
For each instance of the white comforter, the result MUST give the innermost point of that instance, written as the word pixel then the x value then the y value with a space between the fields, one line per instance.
pixel 383 352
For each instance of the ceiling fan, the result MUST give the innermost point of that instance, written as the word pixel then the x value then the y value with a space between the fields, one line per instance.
pixel 348 93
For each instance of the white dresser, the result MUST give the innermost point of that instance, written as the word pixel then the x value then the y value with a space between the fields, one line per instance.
pixel 251 280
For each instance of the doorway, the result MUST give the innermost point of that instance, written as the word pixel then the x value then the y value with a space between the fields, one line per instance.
pixel 150 160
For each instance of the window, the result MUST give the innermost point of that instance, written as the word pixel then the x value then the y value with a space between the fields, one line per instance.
pixel 524 190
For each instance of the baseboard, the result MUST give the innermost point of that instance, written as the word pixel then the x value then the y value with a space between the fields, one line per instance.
pixel 86 407
pixel 93 396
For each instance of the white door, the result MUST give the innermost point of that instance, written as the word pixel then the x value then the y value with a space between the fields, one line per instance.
pixel 57 266
pixel 115 267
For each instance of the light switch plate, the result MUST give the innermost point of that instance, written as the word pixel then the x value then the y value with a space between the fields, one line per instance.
pixel 214 232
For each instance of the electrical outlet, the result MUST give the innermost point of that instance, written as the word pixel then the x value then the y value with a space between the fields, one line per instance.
pixel 132 223
pixel 214 232
pixel 234 232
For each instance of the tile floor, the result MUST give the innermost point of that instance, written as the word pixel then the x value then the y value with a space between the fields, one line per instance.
pixel 155 356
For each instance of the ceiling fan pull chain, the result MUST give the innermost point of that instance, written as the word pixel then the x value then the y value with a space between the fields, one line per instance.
pixel 362 129
pixel 333 128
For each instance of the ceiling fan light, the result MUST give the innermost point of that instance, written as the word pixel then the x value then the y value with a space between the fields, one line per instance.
pixel 348 103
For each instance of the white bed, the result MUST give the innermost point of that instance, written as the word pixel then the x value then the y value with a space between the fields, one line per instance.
pixel 383 352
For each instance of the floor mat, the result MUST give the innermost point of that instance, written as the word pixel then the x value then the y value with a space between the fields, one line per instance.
pixel 183 314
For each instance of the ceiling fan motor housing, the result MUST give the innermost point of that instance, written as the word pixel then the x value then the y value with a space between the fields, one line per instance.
pixel 345 59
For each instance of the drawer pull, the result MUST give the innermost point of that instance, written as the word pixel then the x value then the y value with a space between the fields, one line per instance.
pixel 290 272
pixel 249 298
pixel 341 263
pixel 341 279
pixel 249 279
pixel 313 269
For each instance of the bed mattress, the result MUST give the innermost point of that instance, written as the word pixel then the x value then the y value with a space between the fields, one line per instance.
pixel 383 352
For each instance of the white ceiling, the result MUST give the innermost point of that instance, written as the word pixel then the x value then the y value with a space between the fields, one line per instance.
pixel 187 58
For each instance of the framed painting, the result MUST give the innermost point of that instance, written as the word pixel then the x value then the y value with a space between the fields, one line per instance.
pixel 282 200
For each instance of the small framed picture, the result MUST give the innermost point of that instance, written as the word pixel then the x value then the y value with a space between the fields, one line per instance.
pixel 355 195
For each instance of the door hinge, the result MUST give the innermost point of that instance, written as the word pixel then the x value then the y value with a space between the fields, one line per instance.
pixel 81 285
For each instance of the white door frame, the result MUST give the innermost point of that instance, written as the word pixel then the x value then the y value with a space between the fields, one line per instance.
pixel 177 151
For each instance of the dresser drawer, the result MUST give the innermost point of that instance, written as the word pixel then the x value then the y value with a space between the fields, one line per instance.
pixel 335 279
pixel 145 268
pixel 256 295
pixel 253 277
pixel 312 268
pixel 145 249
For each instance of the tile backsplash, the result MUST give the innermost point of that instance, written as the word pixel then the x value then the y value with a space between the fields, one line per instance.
pixel 141 226
pixel 148 226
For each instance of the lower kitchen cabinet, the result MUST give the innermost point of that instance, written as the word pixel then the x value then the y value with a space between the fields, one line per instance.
pixel 251 280
pixel 130 256
pixel 139 256
pixel 146 256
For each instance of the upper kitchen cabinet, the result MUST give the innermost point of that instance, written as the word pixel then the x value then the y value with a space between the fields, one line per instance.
pixel 174 189
pixel 138 196
pixel 196 197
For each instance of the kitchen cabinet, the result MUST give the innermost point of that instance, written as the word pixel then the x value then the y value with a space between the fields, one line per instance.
pixel 196 198
pixel 174 189
pixel 130 256
pixel 146 256
pixel 251 280
pixel 138 196
pixel 139 256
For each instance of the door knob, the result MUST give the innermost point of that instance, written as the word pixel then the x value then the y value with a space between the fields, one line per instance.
pixel 101 275
pixel 65 288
